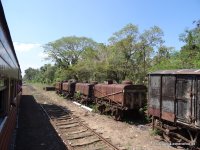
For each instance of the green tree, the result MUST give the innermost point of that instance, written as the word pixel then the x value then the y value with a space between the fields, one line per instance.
pixel 67 50
pixel 30 74
pixel 190 52
pixel 133 52
pixel 129 54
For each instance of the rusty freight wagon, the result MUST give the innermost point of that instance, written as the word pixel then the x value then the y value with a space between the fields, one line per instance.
pixel 119 97
pixel 68 88
pixel 174 103
pixel 84 92
pixel 58 87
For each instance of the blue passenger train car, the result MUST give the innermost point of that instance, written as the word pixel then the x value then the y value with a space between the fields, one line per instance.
pixel 10 84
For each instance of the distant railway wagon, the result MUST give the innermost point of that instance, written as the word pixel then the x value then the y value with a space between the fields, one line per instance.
pixel 10 84
pixel 174 103
pixel 115 98
pixel 68 88
pixel 120 97
pixel 84 92
pixel 58 87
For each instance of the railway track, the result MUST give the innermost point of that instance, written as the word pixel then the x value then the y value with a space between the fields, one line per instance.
pixel 75 134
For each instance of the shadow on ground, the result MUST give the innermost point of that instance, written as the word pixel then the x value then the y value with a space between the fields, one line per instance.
pixel 35 131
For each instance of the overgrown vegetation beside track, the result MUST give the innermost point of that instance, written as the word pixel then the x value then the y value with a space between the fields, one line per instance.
pixel 38 85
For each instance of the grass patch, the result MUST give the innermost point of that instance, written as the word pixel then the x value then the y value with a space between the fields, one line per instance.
pixel 93 106
pixel 77 95
pixel 38 85
pixel 155 132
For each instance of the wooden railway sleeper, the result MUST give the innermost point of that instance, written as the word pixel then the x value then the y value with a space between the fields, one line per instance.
pixel 57 113
pixel 80 136
pixel 62 120
pixel 92 147
pixel 98 148
pixel 76 125
pixel 85 143
pixel 99 136
pixel 73 145
pixel 67 117
pixel 76 132
pixel 65 123
pixel 61 117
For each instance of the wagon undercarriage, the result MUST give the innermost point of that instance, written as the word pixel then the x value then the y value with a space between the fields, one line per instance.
pixel 177 135
pixel 110 107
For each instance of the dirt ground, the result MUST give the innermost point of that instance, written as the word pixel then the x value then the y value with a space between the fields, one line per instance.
pixel 34 130
pixel 124 135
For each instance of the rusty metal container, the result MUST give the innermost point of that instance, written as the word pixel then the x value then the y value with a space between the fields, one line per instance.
pixel 58 87
pixel 174 95
pixel 69 88
pixel 85 88
pixel 123 95
pixel 65 86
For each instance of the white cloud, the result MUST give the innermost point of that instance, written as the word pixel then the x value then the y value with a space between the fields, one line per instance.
pixel 42 55
pixel 25 47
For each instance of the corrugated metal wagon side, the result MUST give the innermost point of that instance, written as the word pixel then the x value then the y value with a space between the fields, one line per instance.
pixel 174 103
pixel 58 87
pixel 119 97
pixel 68 88
pixel 84 92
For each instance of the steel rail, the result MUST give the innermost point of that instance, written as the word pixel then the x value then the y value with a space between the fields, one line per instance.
pixel 54 125
pixel 69 146
pixel 99 136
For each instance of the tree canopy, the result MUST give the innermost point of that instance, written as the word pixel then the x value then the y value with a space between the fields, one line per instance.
pixel 129 54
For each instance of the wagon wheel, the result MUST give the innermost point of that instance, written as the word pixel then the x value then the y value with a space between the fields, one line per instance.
pixel 118 115
pixel 101 108
pixel 113 112
pixel 166 137
pixel 171 138
pixel 108 111
pixel 66 95
pixel 194 138
pixel 83 101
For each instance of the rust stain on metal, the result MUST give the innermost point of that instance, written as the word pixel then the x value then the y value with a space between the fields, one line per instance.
pixel 126 95
pixel 174 96
pixel 85 89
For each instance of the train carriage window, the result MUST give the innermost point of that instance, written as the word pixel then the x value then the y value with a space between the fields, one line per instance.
pixel 12 90
pixel 2 97
pixel 1 102
pixel 1 82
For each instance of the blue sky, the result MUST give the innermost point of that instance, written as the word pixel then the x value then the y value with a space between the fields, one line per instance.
pixel 34 23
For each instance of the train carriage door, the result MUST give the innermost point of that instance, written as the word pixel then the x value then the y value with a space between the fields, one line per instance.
pixel 184 98
pixel 168 95
pixel 198 103
pixel 154 95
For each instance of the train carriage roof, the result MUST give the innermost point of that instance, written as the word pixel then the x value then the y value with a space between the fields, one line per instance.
pixel 7 32
pixel 178 71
